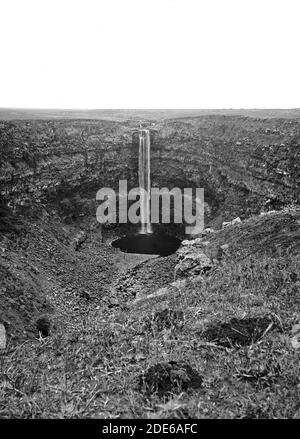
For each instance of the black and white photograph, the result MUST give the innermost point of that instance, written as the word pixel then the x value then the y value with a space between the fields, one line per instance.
pixel 149 213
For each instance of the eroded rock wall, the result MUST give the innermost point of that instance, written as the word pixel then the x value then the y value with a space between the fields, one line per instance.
pixel 245 164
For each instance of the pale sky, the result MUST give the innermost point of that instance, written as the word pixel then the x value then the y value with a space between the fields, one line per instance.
pixel 150 53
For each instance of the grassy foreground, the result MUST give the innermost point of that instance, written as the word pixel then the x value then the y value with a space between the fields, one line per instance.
pixel 171 355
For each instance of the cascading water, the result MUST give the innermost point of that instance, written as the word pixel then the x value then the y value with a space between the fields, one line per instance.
pixel 144 180
pixel 146 242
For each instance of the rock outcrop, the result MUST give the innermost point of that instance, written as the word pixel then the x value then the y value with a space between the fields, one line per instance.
pixel 196 257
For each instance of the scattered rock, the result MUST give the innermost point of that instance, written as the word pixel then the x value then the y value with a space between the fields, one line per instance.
pixel 191 243
pixel 224 247
pixel 269 212
pixel 169 377
pixel 2 336
pixel 236 221
pixel 226 224
pixel 186 242
pixel 295 340
pixel 231 223
pixel 208 230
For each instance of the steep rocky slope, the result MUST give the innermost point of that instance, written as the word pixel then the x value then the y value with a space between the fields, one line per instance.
pixel 221 344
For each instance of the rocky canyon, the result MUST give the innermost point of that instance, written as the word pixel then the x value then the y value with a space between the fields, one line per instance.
pixel 83 318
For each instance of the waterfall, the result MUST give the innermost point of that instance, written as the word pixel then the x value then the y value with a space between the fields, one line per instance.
pixel 144 179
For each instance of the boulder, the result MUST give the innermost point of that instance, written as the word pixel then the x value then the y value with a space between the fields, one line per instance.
pixel 236 221
pixel 196 257
pixel 231 223
pixel 224 247
pixel 207 231
pixel 193 265
pixel 226 224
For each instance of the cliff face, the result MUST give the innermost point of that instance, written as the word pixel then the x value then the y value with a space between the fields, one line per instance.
pixel 244 164
pixel 51 161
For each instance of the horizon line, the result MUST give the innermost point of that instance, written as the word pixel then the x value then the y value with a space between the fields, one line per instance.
pixel 148 109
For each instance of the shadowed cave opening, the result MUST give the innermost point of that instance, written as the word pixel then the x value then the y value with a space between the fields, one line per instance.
pixel 148 243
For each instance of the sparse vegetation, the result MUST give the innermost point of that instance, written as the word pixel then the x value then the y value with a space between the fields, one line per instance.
pixel 93 365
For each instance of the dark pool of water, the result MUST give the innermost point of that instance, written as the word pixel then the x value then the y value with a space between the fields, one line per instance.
pixel 148 243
